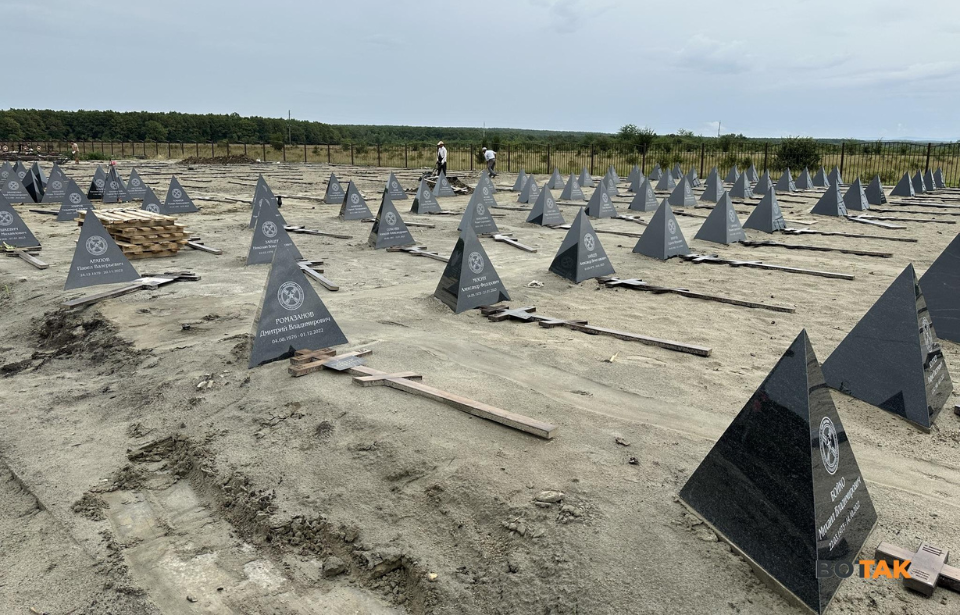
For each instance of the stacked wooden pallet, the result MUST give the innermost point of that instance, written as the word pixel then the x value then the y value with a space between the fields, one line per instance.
pixel 143 234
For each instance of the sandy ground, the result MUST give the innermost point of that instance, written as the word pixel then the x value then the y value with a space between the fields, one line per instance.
pixel 157 474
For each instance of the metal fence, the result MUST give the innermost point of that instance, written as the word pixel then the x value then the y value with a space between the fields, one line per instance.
pixel 889 160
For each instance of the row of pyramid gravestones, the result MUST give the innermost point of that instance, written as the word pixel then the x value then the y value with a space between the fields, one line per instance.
pixel 336 195
pixel 920 183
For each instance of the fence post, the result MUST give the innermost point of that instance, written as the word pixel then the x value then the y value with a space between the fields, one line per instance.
pixel 842 152
pixel 766 147
pixel 378 155
pixel 168 150
pixel 929 147
pixel 228 149
pixel 591 159
pixel 405 156
pixel 121 149
pixel 213 152
pixel 703 154
pixel 111 149
pixel 263 147
pixel 351 154
pixel 244 149
pixel 643 162
pixel 508 159
pixel 548 158
pixel 471 157
pixel 328 153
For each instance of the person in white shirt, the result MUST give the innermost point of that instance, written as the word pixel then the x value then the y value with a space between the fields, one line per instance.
pixel 441 158
pixel 491 157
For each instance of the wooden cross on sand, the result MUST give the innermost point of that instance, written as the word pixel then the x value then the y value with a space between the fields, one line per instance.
pixel 509 240
pixel 150 281
pixel 928 567
pixel 894 219
pixel 793 246
pixel 196 244
pixel 422 224
pixel 498 313
pixel 306 231
pixel 806 231
pixel 863 220
pixel 715 259
pixel 566 227
pixel 28 255
pixel 629 219
pixel 308 361
pixel 312 270
pixel 419 251
pixel 635 284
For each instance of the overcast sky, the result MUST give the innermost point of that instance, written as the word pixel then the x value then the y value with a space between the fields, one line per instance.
pixel 824 68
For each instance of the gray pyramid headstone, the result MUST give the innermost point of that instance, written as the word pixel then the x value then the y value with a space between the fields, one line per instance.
pixel 919 186
pixel 177 201
pixel 477 216
pixel 904 187
pixel 645 199
pixel 600 205
pixel 892 358
pixel 834 177
pixel 521 180
pixel 713 188
pixel 766 216
pixel 424 202
pixel 928 182
pixel 556 181
pixel 443 187
pixel 291 315
pixel 677 172
pixel 95 192
pixel 73 203
pixel 682 195
pixel 354 206
pixel 56 190
pixel 97 259
pixel 763 184
pixel 268 234
pixel 572 191
pixel 20 169
pixel 11 186
pixel 394 189
pixel 388 228
pixel 581 257
pixel 611 186
pixel 722 225
pixel 804 182
pixel 470 280
pixel 666 182
pixel 545 211
pixel 941 289
pixel 13 231
pixel 486 190
pixel 151 202
pixel 752 173
pixel 938 182
pixel 733 175
pixel 874 192
pixel 612 172
pixel 656 173
pixel 820 180
pixel 786 183
pixel 741 188
pixel 260 194
pixel 782 485
pixel 113 189
pixel 855 199
pixel 334 194
pixel 831 203
pixel 693 178
pixel 585 180
pixel 135 186
pixel 634 177
pixel 530 191
pixel 662 239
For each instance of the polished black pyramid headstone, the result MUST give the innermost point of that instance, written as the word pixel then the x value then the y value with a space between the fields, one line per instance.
pixel 645 199
pixel 545 211
pixel 834 177
pixel 486 190
pixel 581 257
pixel 530 191
pixel 804 182
pixel 556 181
pixel 477 215
pixel 13 231
pixel 763 184
pixel 919 186
pixel 135 186
pixel 892 358
pixel 97 258
pixel 820 180
pixel 733 175
pixel 521 180
pixel 855 199
pixel 151 202
pixel 741 188
pixel 722 225
pixel 874 192
pixel 572 191
pixel 443 187
pixel 268 234
pixel 12 187
pixel 334 194
pixel 354 207
pixel 95 192
pixel 904 187
pixel 388 228
pixel 113 189
pixel 394 189
pixel 831 203
pixel 585 180
pixel 786 183
pixel 713 188
pixel 666 182
pixel 928 182
pixel 260 194
pixel 177 201
pixel 782 485
pixel 33 184
pixel 938 182
pixel 424 202
pixel 470 280
pixel 662 239
pixel 941 290
pixel 693 178
pixel 766 216
pixel 290 315
pixel 56 190
pixel 682 195
pixel 41 177
pixel 656 173
pixel 73 203
pixel 600 205
pixel 752 173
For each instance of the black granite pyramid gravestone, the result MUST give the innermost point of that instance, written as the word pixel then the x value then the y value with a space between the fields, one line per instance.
pixel 424 202
pixel 556 181
pixel 151 202
pixel 260 194
pixel 831 203
pixel 585 180
pixel 722 225
pixel 874 192
pixel 733 175
pixel 892 358
pixel 751 173
pixel 941 290
pixel 656 173
pixel 268 234
pixel 470 280
pixel 766 216
pixel 290 315
pixel 820 180
pixel 763 184
pixel 919 186
pixel 786 183
pixel 804 182
pixel 834 177
pixel 713 188
pixel 56 190
pixel 521 180
pixel 443 187
pixel 477 216
pixel 530 191
pixel 782 485
pixel 13 231
pixel 33 184
pixel 662 239
pixel 741 188
pixel 572 191
pixel 177 201
pixel 388 228
pixel 682 195
pixel 73 203
pixel 645 199
pixel 486 190
pixel 394 189
pixel 581 257
pixel 37 171
pixel 95 192
pixel 693 178
pixel 135 186
pixel 928 183
pixel 666 183
pixel 334 194
pixel 904 187
pixel 855 199
pixel 938 182
pixel 11 186
pixel 113 189
pixel 545 211
pixel 600 205
pixel 97 258
pixel 354 206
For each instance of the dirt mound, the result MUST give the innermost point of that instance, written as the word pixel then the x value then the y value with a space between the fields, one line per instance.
pixel 218 160
pixel 68 333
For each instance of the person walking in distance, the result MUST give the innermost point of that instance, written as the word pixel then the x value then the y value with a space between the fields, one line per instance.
pixel 441 158
pixel 491 157
pixel 75 150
